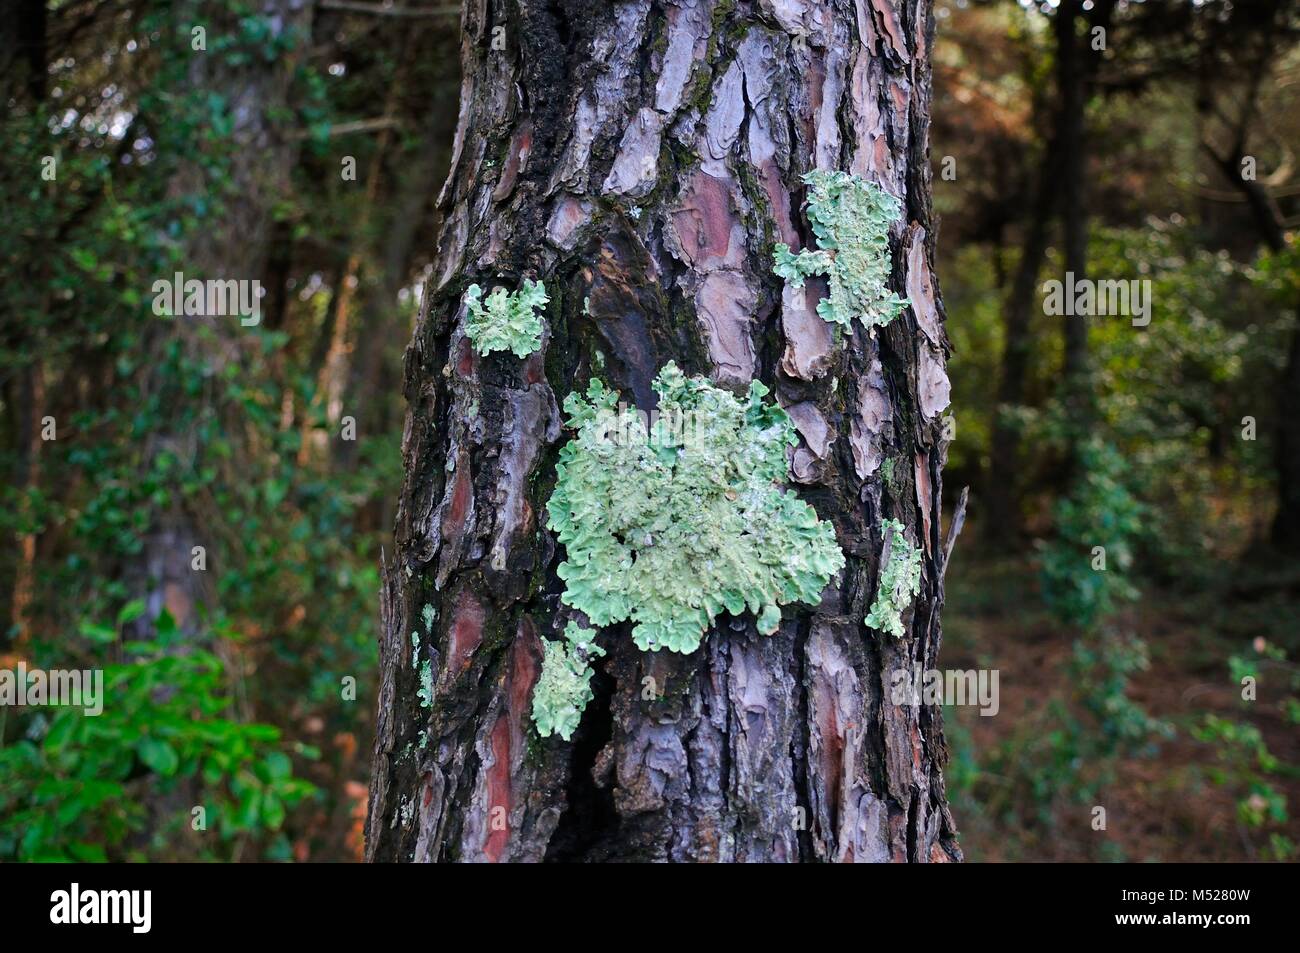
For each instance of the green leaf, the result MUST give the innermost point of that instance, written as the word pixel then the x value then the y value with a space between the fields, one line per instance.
pixel 158 755
pixel 130 612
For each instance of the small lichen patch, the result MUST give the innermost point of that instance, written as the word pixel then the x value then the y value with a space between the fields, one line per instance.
pixel 564 687
pixel 427 615
pixel 850 218
pixel 506 321
pixel 425 692
pixel 670 523
pixel 900 581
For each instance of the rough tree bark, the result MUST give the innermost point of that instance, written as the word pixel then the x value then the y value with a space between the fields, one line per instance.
pixel 642 158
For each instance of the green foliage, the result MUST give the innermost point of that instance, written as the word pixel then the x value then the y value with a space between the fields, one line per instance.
pixel 1099 511
pixel 186 418
pixel 1102 668
pixel 1266 664
pixel 1242 761
pixel 75 787
pixel 850 218
pixel 1244 764
pixel 669 526
pixel 900 581
pixel 506 321
pixel 564 688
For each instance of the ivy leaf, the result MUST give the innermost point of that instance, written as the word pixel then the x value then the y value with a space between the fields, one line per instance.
pixel 160 757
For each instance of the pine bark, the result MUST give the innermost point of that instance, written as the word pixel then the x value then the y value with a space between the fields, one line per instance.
pixel 642 158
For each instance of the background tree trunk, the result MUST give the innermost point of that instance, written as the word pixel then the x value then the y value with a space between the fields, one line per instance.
pixel 642 158
pixel 235 246
pixel 1002 500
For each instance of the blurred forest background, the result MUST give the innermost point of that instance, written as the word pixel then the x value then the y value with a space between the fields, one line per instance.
pixel 304 145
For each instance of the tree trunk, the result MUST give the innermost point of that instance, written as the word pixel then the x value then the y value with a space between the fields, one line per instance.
pixel 1071 77
pixel 236 246
pixel 642 158
pixel 1002 510
pixel 1078 59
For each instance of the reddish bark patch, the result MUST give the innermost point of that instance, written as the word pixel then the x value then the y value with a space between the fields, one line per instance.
pixel 534 369
pixel 466 362
pixel 888 20
pixel 832 751
pixel 725 304
pixel 705 219
pixel 816 80
pixel 515 161
pixel 779 199
pixel 466 632
pixel 498 790
pixel 462 497
pixel 898 836
pixel 525 662
pixel 568 216
pixel 920 287
pixel 809 340
pixel 921 469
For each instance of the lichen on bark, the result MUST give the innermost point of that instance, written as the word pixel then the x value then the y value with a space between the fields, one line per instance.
pixel 670 524
pixel 850 218
pixel 506 321
pixel 900 581
pixel 564 688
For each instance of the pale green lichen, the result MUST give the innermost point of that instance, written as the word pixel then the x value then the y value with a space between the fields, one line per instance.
pixel 850 218
pixel 506 321
pixel 564 688
pixel 794 268
pixel 425 692
pixel 427 614
pixel 669 525
pixel 900 581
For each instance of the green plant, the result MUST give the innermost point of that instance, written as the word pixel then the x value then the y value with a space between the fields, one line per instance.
pixel 1085 566
pixel 1244 764
pixel 74 787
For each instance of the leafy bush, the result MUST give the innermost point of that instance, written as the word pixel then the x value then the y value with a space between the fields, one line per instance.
pixel 1099 512
pixel 81 787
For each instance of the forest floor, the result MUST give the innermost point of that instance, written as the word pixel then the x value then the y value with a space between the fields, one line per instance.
pixel 1025 783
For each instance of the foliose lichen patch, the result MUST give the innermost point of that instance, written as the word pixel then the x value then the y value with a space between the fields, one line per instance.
pixel 506 321
pixel 900 581
pixel 850 218
pixel 564 688
pixel 668 523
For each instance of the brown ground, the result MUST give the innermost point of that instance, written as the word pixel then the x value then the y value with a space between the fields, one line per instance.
pixel 1162 805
